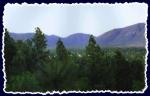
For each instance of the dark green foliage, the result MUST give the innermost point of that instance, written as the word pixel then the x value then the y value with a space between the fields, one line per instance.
pixel 41 54
pixel 39 40
pixel 10 51
pixel 123 69
pixel 25 81
pixel 19 60
pixel 30 66
pixel 138 79
pixel 61 52
pixel 94 64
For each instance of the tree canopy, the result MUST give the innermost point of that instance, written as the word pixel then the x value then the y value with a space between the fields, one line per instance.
pixel 31 66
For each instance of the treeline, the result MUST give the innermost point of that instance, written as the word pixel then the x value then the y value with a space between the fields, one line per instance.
pixel 30 66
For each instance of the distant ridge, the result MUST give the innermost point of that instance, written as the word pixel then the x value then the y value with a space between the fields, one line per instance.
pixel 130 36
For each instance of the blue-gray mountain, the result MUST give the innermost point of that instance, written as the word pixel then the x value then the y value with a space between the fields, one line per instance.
pixel 131 36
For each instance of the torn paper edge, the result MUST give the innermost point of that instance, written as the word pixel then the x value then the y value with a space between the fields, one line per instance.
pixel 66 92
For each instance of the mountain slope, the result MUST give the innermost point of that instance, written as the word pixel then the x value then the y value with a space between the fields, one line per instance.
pixel 131 36
pixel 78 40
pixel 21 36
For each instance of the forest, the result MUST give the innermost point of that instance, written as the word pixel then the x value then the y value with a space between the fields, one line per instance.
pixel 31 66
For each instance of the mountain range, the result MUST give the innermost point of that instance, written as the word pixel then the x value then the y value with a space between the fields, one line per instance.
pixel 130 36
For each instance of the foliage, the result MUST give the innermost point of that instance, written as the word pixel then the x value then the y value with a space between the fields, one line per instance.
pixel 23 82
pixel 30 66
pixel 10 51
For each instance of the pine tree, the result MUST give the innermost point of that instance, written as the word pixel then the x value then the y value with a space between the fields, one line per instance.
pixel 122 72
pixel 137 74
pixel 29 55
pixel 39 40
pixel 61 51
pixel 58 72
pixel 9 52
pixel 19 60
pixel 92 50
pixel 41 53
pixel 93 55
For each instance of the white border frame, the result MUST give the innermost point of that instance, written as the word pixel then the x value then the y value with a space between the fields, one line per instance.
pixel 66 92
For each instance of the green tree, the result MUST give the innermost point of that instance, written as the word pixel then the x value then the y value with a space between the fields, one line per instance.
pixel 29 51
pixel 122 72
pixel 59 71
pixel 41 53
pixel 95 67
pixel 39 40
pixel 19 60
pixel 61 52
pixel 137 74
pixel 9 52
pixel 25 81
pixel 109 70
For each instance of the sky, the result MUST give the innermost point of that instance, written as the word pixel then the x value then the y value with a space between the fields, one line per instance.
pixel 66 19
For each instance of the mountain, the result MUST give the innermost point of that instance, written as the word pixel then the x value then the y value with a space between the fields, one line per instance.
pixel 130 36
pixel 51 40
pixel 78 40
pixel 21 36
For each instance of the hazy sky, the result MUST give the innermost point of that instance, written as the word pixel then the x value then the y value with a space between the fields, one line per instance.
pixel 66 19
